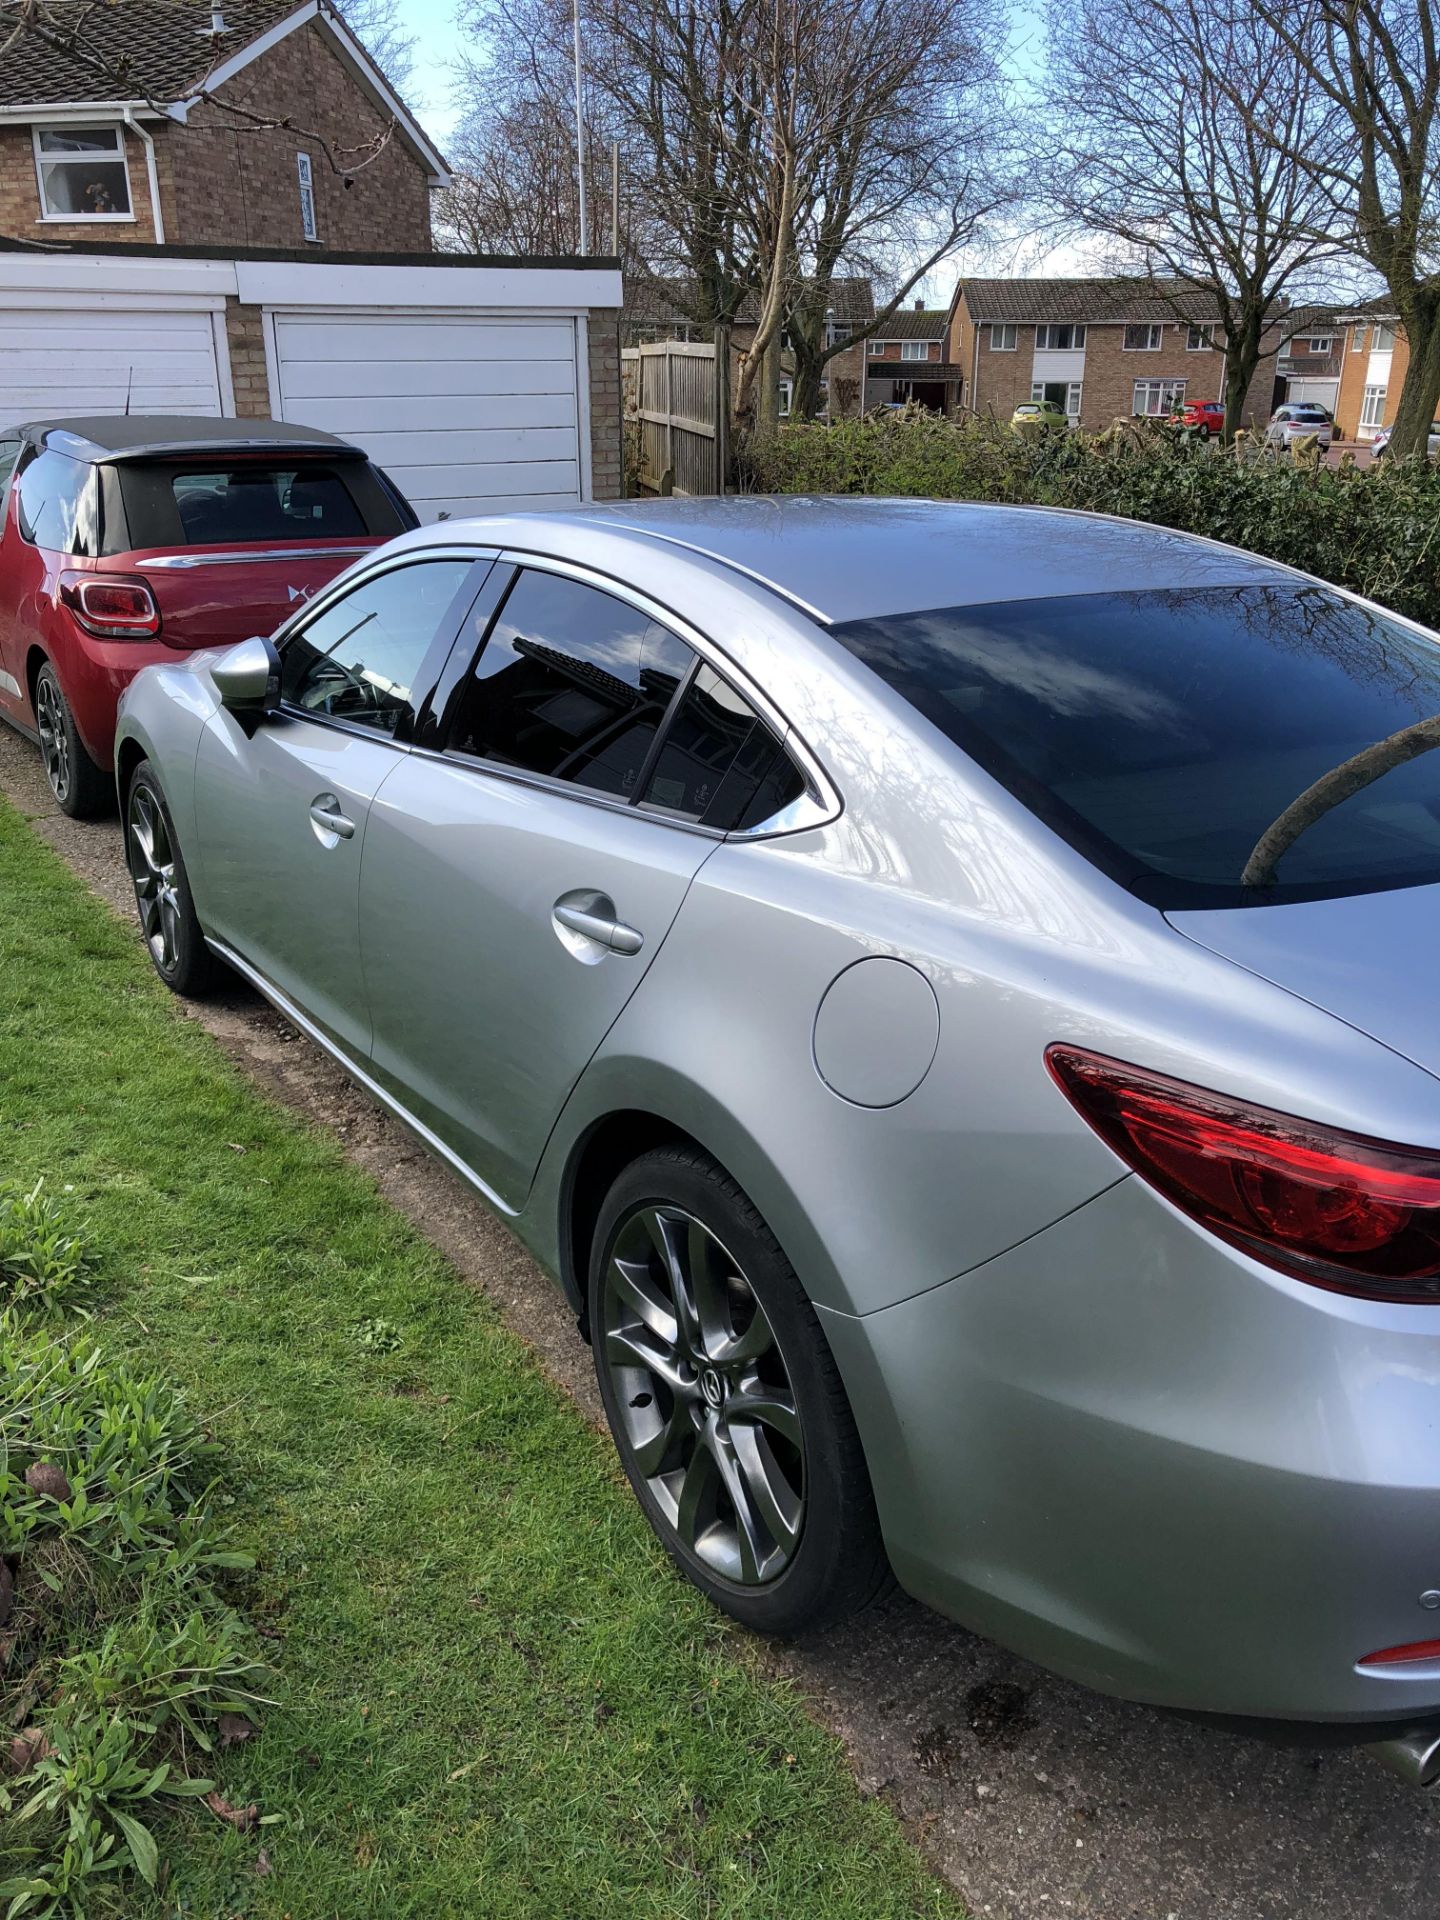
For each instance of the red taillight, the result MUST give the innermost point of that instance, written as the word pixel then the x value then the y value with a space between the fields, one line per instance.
pixel 1332 1207
pixel 105 604
pixel 1397 1656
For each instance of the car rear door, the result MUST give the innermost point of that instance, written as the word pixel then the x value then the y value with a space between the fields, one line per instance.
pixel 282 807
pixel 521 873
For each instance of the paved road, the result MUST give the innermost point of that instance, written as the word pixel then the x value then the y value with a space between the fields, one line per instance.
pixel 1035 1797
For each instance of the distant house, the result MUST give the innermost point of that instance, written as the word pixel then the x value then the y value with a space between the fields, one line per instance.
pixel 223 127
pixel 1104 349
pixel 1375 358
pixel 905 360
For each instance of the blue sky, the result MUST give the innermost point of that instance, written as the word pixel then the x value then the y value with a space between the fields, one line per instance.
pixel 438 44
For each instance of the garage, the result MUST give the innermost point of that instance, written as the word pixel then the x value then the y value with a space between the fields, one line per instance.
pixel 462 411
pixel 74 359
pixel 1320 393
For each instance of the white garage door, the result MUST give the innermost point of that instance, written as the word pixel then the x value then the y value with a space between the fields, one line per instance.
pixel 1323 393
pixel 68 360
pixel 466 414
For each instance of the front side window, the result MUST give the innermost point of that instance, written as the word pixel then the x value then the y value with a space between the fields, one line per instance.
pixel 1143 339
pixel 1059 338
pixel 83 175
pixel 360 659
pixel 58 504
pixel 1155 398
pixel 1003 339
pixel 1162 732
pixel 572 683
pixel 1372 407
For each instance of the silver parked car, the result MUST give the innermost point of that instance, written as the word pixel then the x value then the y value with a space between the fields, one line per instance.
pixel 949 993
pixel 1299 421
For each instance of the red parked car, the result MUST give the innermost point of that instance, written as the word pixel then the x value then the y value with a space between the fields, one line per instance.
pixel 1204 416
pixel 127 540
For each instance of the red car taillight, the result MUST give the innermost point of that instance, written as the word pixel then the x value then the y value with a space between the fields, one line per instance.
pixel 117 609
pixel 1335 1208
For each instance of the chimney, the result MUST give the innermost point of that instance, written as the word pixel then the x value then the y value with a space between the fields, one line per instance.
pixel 919 306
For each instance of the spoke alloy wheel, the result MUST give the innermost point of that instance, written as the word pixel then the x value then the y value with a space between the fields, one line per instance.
pixel 705 1404
pixel 152 868
pixel 54 739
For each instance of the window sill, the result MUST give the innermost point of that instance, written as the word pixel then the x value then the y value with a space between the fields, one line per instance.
pixel 86 220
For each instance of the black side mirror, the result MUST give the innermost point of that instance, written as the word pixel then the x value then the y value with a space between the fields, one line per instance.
pixel 247 679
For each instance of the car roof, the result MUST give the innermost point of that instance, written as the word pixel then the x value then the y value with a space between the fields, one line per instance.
pixel 845 559
pixel 133 436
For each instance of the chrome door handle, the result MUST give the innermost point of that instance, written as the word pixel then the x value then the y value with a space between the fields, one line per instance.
pixel 613 934
pixel 328 817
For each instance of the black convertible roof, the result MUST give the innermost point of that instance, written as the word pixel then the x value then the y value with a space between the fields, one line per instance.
pixel 137 436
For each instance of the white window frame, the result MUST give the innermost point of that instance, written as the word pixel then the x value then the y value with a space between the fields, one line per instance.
pixel 1384 338
pixel 1320 342
pixel 309 219
pixel 1074 393
pixel 1200 339
pixel 839 333
pixel 1004 337
pixel 1168 388
pixel 1372 406
pixel 875 349
pixel 787 395
pixel 914 349
pixel 1154 334
pixel 47 162
pixel 1044 344
pixel 1359 337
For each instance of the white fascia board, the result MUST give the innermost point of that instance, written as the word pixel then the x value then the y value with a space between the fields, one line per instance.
pixel 48 112
pixel 67 273
pixel 353 55
pixel 568 289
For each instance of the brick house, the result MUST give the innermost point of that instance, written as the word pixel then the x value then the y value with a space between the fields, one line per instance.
pixel 179 147
pixel 1104 349
pixel 1375 359
pixel 905 360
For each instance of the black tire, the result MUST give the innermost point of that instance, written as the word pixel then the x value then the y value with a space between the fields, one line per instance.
pixel 168 923
pixel 807 1497
pixel 80 788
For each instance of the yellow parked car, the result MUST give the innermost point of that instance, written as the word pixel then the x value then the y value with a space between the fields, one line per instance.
pixel 1048 416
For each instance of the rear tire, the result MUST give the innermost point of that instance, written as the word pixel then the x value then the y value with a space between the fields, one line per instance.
pixel 80 788
pixel 726 1405
pixel 168 924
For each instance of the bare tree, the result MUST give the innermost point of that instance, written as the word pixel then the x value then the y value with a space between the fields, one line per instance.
pixel 1377 62
pixel 1168 130
pixel 515 185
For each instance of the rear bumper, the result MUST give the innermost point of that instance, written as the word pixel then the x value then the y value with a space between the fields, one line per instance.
pixel 93 674
pixel 1150 1464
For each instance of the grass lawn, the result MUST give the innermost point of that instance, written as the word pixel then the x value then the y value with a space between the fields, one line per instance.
pixel 496 1699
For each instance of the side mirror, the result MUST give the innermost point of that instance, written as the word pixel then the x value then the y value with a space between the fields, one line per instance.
pixel 247 678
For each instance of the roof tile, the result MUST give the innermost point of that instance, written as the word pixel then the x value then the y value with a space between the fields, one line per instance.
pixel 139 50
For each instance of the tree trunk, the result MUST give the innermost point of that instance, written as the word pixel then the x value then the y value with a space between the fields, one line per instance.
pixel 1420 395
pixel 805 398
pixel 1242 357
pixel 767 396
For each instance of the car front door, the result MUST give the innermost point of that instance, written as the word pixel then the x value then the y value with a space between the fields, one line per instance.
pixel 281 808
pixel 519 880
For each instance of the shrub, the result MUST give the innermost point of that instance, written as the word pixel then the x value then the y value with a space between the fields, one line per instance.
pixel 1375 530
pixel 43 1261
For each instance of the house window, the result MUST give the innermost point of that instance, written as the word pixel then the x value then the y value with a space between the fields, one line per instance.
pixel 307 197
pixel 1155 398
pixel 1320 342
pixel 1059 338
pixel 1384 338
pixel 1144 339
pixel 1197 339
pixel 914 349
pixel 83 175
pixel 1072 400
pixel 1003 339
pixel 1372 408
pixel 787 389
pixel 839 332
pixel 1357 340
pixel 876 348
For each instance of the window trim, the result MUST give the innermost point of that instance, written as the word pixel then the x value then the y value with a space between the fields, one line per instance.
pixel 44 160
pixel 921 351
pixel 1077 335
pixel 1155 336
pixel 819 804
pixel 309 213
pixel 1002 327
pixel 436 654
pixel 1206 341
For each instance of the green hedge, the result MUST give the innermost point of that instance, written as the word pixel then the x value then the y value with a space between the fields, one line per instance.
pixel 1376 530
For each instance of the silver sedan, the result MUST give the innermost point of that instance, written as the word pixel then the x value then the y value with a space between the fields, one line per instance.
pixel 947 991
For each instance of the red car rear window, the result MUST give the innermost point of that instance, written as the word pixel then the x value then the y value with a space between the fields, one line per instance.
pixel 254 502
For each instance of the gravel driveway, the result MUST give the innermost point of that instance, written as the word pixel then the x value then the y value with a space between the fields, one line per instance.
pixel 1033 1796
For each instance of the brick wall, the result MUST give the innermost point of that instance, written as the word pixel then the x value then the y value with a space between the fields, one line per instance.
pixel 849 366
pixel 606 476
pixel 891 350
pixel 244 329
pixel 238 186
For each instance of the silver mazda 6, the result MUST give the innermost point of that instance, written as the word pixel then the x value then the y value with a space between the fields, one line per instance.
pixel 950 993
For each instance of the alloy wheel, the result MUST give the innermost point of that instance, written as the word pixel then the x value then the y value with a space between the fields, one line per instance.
pixel 152 868
pixel 54 736
pixel 704 1403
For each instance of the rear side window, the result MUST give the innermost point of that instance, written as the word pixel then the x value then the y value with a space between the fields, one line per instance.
pixel 1164 732
pixel 571 683
pixel 719 763
pixel 253 502
pixel 58 504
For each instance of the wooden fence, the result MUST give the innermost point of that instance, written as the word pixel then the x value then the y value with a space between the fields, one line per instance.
pixel 673 388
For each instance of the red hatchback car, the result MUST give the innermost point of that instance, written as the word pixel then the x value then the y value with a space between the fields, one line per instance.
pixel 130 539
pixel 1205 416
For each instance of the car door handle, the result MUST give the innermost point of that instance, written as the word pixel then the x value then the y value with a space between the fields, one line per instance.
pixel 608 931
pixel 327 816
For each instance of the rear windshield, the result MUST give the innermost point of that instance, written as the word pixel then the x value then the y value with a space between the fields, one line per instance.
pixel 1163 733
pixel 1308 413
pixel 249 502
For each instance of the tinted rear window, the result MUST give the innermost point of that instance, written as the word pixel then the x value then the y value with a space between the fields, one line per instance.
pixel 266 502
pixel 1162 733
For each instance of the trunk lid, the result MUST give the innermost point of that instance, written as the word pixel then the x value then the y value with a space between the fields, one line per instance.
pixel 1369 958
pixel 211 596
